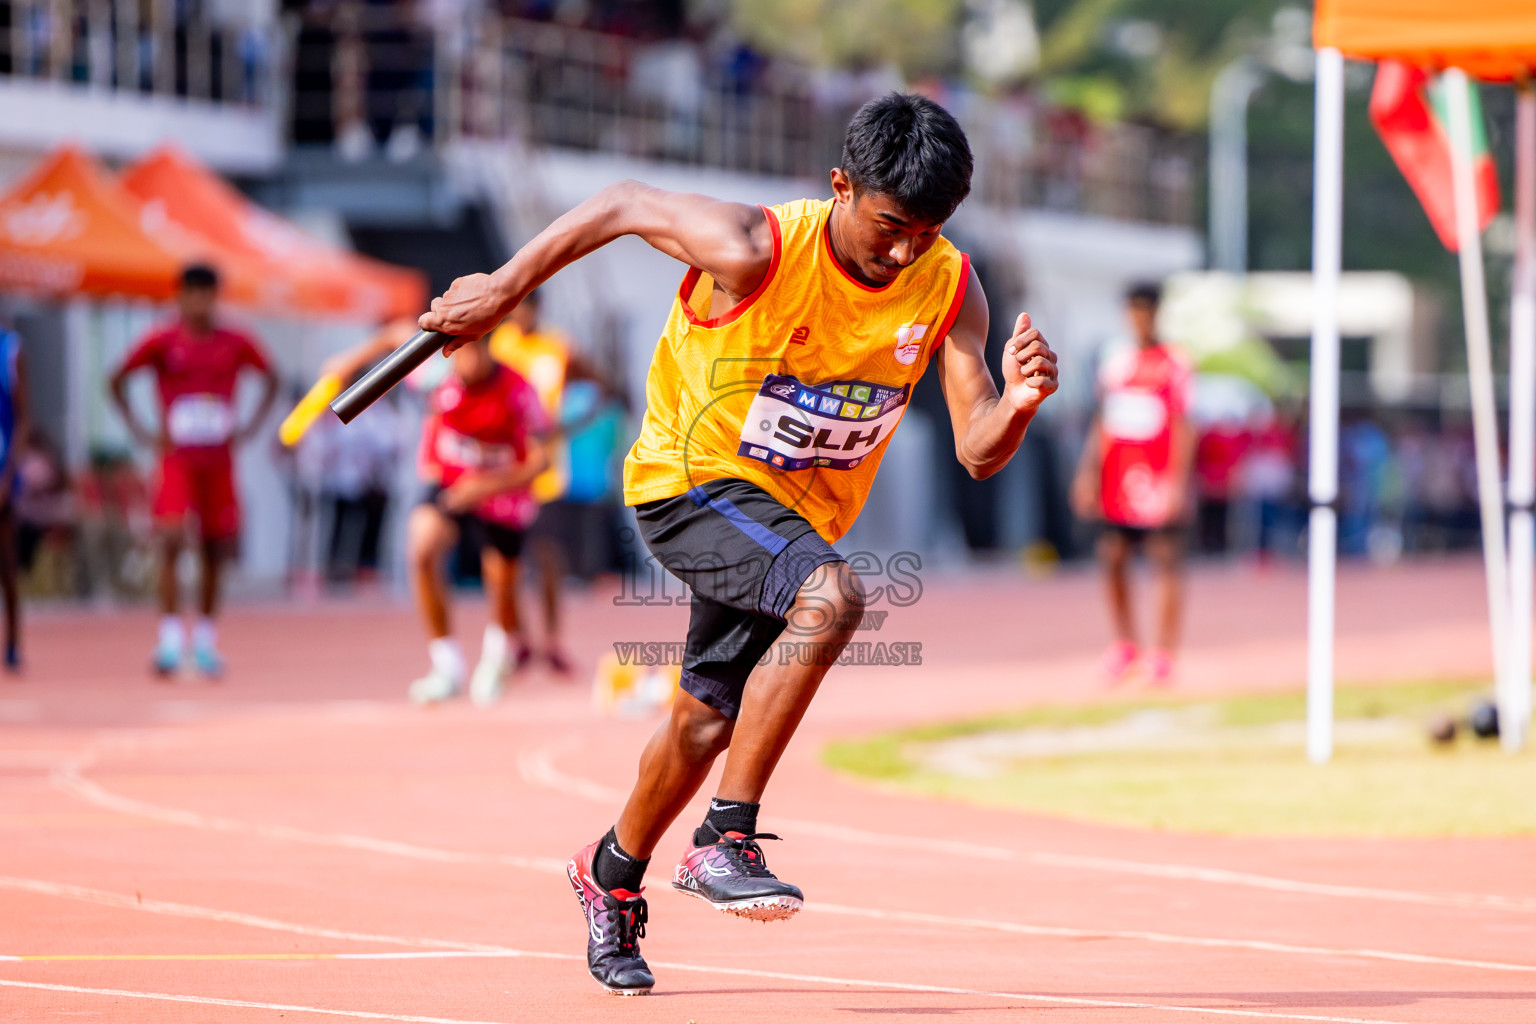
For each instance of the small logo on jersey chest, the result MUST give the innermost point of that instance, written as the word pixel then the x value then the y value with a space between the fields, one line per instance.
pixel 909 342
pixel 800 335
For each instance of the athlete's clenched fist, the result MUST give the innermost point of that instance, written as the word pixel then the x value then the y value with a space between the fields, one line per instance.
pixel 471 307
pixel 1029 367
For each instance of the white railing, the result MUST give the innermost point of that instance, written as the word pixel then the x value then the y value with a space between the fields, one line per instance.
pixel 685 102
pixel 360 74
pixel 157 47
pixel 362 78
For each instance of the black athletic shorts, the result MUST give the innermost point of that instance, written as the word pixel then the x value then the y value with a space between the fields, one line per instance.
pixel 1136 536
pixel 744 556
pixel 481 533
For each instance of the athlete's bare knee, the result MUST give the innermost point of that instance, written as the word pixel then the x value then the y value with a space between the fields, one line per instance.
pixel 830 604
pixel 699 731
pixel 1114 551
pixel 1165 555
pixel 429 535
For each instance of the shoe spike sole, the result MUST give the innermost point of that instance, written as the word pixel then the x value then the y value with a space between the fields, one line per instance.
pixel 757 908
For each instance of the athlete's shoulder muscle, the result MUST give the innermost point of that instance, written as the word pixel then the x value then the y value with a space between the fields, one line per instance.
pixel 731 242
pixel 975 318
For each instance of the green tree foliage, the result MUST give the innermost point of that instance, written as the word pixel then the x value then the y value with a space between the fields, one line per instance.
pixel 918 36
pixel 1157 56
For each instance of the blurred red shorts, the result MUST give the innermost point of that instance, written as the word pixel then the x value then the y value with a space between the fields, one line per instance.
pixel 199 482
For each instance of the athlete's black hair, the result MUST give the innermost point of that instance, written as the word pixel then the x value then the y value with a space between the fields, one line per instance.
pixel 910 150
pixel 199 275
pixel 1149 292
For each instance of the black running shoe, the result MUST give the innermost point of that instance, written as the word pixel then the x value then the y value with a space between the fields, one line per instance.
pixel 615 925
pixel 731 875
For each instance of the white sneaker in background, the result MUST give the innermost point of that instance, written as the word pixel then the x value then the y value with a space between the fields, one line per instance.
pixel 488 679
pixel 490 675
pixel 434 687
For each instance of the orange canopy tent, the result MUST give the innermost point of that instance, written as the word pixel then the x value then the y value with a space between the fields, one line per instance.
pixel 67 228
pixel 302 274
pixel 1492 40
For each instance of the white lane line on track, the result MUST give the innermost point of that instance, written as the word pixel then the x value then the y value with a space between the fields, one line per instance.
pixel 111 899
pixel 538 767
pixel 740 972
pixel 1259 945
pixel 241 1003
pixel 126 902
pixel 436 954
pixel 235 917
pixel 70 778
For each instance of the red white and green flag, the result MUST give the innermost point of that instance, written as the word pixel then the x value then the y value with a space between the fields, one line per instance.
pixel 1408 108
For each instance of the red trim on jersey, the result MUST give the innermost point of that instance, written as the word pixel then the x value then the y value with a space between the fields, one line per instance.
pixel 954 305
pixel 691 279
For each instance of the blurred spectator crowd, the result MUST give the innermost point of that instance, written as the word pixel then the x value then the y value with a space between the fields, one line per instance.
pixel 205 49
pixel 85 533
pixel 644 80
pixel 1407 485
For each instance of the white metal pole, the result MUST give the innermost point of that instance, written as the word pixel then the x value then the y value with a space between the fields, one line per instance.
pixel 1323 472
pixel 1515 722
pixel 1485 426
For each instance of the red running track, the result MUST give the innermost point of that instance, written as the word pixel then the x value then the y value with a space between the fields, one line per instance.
pixel 299 844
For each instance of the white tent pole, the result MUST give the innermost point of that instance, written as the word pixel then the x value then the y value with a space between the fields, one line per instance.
pixel 1515 726
pixel 1485 426
pixel 1323 473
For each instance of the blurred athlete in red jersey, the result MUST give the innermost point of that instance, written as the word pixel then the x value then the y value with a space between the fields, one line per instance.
pixel 482 445
pixel 1134 475
pixel 197 365
pixel 543 355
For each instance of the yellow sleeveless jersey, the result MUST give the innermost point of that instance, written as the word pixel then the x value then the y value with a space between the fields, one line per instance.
pixel 799 387
pixel 541 357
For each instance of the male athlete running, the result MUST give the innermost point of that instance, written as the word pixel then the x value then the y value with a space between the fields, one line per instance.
pixel 787 362
pixel 546 359
pixel 482 445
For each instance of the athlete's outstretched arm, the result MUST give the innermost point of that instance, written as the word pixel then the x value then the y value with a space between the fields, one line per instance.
pixel 989 427
pixel 731 242
pixel 350 362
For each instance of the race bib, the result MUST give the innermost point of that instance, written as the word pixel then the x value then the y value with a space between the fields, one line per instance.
pixel 1134 415
pixel 836 425
pixel 199 421
pixel 1146 496
pixel 461 452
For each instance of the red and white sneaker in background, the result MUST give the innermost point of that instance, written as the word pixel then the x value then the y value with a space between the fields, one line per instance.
pixel 1118 661
pixel 1160 668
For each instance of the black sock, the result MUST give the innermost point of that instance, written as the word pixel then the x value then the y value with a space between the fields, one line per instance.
pixel 615 869
pixel 726 816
